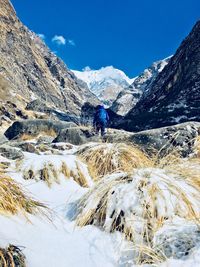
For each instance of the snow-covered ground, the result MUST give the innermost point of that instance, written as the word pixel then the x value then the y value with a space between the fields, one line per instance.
pixel 56 240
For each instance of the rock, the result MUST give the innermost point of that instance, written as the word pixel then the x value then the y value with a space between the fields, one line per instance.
pixel 38 106
pixel 3 139
pixel 33 128
pixel 128 98
pixel 76 136
pixel 31 71
pixel 45 140
pixel 10 152
pixel 28 147
pixel 180 137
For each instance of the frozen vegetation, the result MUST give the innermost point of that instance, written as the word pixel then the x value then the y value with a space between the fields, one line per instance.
pixel 99 204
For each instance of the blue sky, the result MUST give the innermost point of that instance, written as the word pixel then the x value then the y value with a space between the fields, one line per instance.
pixel 128 34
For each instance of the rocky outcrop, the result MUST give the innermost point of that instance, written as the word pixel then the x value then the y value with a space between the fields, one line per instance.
pixel 10 152
pixel 128 98
pixel 76 136
pixel 29 70
pixel 174 96
pixel 33 128
pixel 180 138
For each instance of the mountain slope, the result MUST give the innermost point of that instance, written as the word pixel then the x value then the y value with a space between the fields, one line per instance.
pixel 32 71
pixel 128 98
pixel 175 94
pixel 106 83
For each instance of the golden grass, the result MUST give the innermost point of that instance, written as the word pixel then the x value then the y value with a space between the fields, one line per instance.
pixel 189 169
pixel 27 137
pixel 160 197
pixel 77 175
pixel 14 200
pixel 103 159
pixel 12 257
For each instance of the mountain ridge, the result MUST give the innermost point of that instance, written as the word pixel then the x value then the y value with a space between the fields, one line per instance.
pixel 174 96
pixel 32 71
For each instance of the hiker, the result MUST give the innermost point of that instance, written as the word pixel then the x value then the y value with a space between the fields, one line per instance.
pixel 101 119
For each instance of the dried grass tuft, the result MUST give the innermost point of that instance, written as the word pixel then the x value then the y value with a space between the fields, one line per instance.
pixel 50 168
pixel 12 257
pixel 189 169
pixel 138 205
pixel 14 200
pixel 103 159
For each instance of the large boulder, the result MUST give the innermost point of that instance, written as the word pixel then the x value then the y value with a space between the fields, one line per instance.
pixel 34 128
pixel 76 136
pixel 180 138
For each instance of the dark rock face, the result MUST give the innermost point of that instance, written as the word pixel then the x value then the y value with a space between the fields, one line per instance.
pixel 174 96
pixel 164 140
pixel 30 70
pixel 36 127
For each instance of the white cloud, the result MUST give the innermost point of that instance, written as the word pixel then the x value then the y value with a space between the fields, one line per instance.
pixel 42 36
pixel 59 40
pixel 71 42
pixel 87 68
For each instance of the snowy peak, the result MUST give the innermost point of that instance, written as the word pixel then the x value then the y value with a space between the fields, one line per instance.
pixel 106 82
pixel 108 73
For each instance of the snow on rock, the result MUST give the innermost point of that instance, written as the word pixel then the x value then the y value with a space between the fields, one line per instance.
pixel 178 238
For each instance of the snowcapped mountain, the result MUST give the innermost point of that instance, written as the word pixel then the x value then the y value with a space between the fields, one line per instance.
pixel 106 83
pixel 129 97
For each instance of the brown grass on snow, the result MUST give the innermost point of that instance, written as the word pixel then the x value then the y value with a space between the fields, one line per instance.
pixel 50 173
pixel 103 159
pixel 161 197
pixel 14 200
pixel 12 257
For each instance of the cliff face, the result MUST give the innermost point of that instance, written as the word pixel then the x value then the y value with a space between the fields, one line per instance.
pixel 128 98
pixel 174 96
pixel 29 70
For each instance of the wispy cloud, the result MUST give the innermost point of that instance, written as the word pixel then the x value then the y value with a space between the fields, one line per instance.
pixel 71 42
pixel 42 36
pixel 59 40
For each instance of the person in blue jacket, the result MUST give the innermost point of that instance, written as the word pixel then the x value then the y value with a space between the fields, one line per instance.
pixel 101 119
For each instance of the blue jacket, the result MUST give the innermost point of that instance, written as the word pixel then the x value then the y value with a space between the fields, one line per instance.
pixel 101 116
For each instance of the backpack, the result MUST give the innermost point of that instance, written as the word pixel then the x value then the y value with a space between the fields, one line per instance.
pixel 102 115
